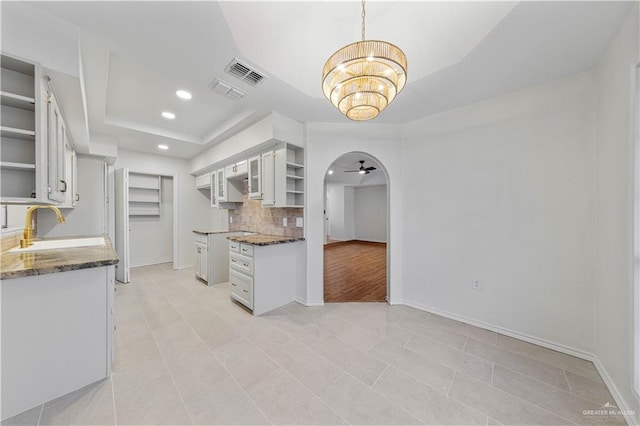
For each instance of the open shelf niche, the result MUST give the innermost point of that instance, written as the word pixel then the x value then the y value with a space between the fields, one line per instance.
pixel 17 129
pixel 144 194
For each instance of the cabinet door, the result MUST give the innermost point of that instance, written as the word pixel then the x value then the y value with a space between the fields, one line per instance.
pixel 204 263
pixel 221 186
pixel 213 190
pixel 255 178
pixel 56 139
pixel 241 168
pixel 269 179
pixel 241 288
pixel 197 267
pixel 230 171
pixel 75 196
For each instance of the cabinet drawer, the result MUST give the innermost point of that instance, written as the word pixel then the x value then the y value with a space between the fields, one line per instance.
pixel 246 250
pixel 201 238
pixel 241 263
pixel 234 247
pixel 241 288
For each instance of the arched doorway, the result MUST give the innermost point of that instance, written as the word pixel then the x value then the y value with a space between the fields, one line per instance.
pixel 356 213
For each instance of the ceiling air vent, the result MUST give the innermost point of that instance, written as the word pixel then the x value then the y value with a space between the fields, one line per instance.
pixel 244 72
pixel 224 88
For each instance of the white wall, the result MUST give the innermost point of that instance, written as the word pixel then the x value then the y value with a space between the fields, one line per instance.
pixel 193 208
pixel 614 205
pixel 502 191
pixel 151 237
pixel 88 218
pixel 370 213
pixel 325 143
pixel 340 210
pixel 33 34
pixel 15 218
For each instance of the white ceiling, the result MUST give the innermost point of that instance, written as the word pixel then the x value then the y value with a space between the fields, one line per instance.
pixel 135 55
pixel 351 161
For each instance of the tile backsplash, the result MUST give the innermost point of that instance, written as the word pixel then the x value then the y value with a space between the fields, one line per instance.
pixel 251 216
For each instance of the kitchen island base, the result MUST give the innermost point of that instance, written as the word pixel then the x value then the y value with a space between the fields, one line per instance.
pixel 264 277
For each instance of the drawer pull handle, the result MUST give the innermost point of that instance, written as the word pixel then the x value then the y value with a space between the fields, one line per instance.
pixel 233 260
pixel 244 249
pixel 246 291
pixel 234 284
pixel 245 264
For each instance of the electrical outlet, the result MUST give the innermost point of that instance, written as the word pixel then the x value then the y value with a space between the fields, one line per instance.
pixel 476 284
pixel 299 222
pixel 230 219
pixel 284 221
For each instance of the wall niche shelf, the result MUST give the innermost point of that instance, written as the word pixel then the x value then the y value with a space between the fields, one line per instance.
pixel 144 194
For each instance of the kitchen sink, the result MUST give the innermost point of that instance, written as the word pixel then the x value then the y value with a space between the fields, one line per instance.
pixel 60 244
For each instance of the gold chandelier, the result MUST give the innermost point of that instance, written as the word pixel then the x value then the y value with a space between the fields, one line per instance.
pixel 362 78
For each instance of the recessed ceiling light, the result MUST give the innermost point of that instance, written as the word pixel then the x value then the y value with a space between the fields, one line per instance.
pixel 183 94
pixel 330 172
pixel 168 115
pixel 163 147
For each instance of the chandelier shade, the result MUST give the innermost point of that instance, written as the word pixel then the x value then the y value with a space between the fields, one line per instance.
pixel 362 78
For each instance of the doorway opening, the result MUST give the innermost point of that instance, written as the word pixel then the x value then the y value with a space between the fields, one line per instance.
pixel 356 212
pixel 145 220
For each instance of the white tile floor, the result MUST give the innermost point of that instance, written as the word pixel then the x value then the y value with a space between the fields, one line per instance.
pixel 185 354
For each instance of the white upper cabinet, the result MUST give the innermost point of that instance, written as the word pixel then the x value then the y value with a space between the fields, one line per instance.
pixel 37 162
pixel 56 140
pixel 203 181
pixel 237 170
pixel 71 196
pixel 22 146
pixel 255 178
pixel 283 176
pixel 221 193
pixel 268 179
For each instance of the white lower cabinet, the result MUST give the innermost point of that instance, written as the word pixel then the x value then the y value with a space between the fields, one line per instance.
pixel 211 256
pixel 263 278
pixel 201 266
pixel 57 335
pixel 241 287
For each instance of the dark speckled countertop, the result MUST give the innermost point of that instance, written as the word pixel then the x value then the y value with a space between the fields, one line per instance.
pixel 264 240
pixel 16 265
pixel 207 232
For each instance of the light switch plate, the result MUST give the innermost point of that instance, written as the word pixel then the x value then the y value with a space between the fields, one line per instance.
pixel 284 221
pixel 299 222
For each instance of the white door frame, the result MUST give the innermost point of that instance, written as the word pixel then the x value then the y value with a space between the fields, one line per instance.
pixel 176 197
pixel 324 197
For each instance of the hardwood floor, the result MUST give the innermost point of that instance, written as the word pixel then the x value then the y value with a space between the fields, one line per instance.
pixel 355 271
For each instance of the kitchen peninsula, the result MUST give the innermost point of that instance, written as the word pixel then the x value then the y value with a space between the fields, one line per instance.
pixel 57 319
pixel 264 270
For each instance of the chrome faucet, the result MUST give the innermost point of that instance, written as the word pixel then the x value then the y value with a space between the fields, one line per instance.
pixel 27 236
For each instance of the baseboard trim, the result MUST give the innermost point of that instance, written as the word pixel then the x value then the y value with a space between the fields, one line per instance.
pixel 308 303
pixel 506 331
pixel 621 403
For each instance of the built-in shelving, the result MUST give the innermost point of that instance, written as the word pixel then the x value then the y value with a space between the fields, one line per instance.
pixel 18 129
pixel 294 176
pixel 144 194
pixel 17 101
pixel 16 166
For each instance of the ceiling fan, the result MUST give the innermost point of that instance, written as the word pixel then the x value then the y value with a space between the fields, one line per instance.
pixel 362 170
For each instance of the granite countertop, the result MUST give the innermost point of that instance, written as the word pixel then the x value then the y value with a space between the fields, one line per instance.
pixel 207 232
pixel 16 265
pixel 264 240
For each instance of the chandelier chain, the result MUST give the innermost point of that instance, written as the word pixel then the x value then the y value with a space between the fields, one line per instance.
pixel 363 15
